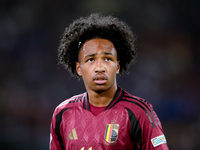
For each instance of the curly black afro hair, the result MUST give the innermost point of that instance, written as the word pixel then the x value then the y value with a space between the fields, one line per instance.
pixel 97 26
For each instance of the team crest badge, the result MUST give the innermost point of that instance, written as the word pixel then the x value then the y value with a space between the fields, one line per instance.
pixel 111 133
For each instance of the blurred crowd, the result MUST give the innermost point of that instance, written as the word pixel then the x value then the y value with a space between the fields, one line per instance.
pixel 166 73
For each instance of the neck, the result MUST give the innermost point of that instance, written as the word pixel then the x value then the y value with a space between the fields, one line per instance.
pixel 101 98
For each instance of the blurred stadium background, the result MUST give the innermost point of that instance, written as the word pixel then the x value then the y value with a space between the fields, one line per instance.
pixel 166 74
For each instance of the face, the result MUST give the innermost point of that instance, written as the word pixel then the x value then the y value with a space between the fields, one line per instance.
pixel 98 65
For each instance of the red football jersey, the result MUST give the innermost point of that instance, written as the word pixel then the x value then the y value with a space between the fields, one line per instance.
pixel 128 122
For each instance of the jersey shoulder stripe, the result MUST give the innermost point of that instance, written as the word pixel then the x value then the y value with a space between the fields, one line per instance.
pixel 74 99
pixel 60 109
pixel 146 107
pixel 148 115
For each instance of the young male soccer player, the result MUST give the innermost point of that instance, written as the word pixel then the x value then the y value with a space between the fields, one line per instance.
pixel 106 117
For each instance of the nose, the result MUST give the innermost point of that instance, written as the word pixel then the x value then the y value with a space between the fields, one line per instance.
pixel 100 67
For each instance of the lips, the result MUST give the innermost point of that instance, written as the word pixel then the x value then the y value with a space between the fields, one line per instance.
pixel 100 79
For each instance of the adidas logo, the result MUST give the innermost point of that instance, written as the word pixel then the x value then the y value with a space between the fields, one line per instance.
pixel 84 148
pixel 72 135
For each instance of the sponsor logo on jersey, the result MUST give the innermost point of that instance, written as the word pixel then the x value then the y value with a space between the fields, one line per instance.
pixel 111 133
pixel 72 135
pixel 158 140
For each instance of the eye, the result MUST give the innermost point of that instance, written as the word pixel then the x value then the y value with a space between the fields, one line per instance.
pixel 90 60
pixel 108 59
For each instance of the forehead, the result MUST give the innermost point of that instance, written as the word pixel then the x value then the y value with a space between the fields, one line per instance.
pixel 96 45
pixel 103 43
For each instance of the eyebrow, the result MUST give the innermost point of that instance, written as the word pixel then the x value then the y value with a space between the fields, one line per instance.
pixel 106 53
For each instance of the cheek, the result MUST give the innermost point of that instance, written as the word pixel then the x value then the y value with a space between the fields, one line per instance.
pixel 85 71
pixel 113 70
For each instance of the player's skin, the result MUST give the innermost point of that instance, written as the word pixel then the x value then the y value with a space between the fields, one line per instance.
pixel 98 66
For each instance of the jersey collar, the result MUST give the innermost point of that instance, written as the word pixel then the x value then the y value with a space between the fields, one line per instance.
pixel 115 99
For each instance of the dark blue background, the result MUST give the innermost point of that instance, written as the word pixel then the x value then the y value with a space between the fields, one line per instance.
pixel 166 73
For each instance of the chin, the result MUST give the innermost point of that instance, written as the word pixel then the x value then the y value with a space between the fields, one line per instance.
pixel 100 91
pixel 101 88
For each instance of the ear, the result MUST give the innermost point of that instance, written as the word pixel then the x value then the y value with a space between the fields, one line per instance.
pixel 118 67
pixel 78 69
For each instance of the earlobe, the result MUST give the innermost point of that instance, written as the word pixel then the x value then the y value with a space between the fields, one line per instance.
pixel 78 68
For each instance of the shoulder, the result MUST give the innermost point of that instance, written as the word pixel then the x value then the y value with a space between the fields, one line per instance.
pixel 73 101
pixel 131 101
pixel 141 109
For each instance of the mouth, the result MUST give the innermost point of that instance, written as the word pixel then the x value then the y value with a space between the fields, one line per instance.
pixel 100 79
